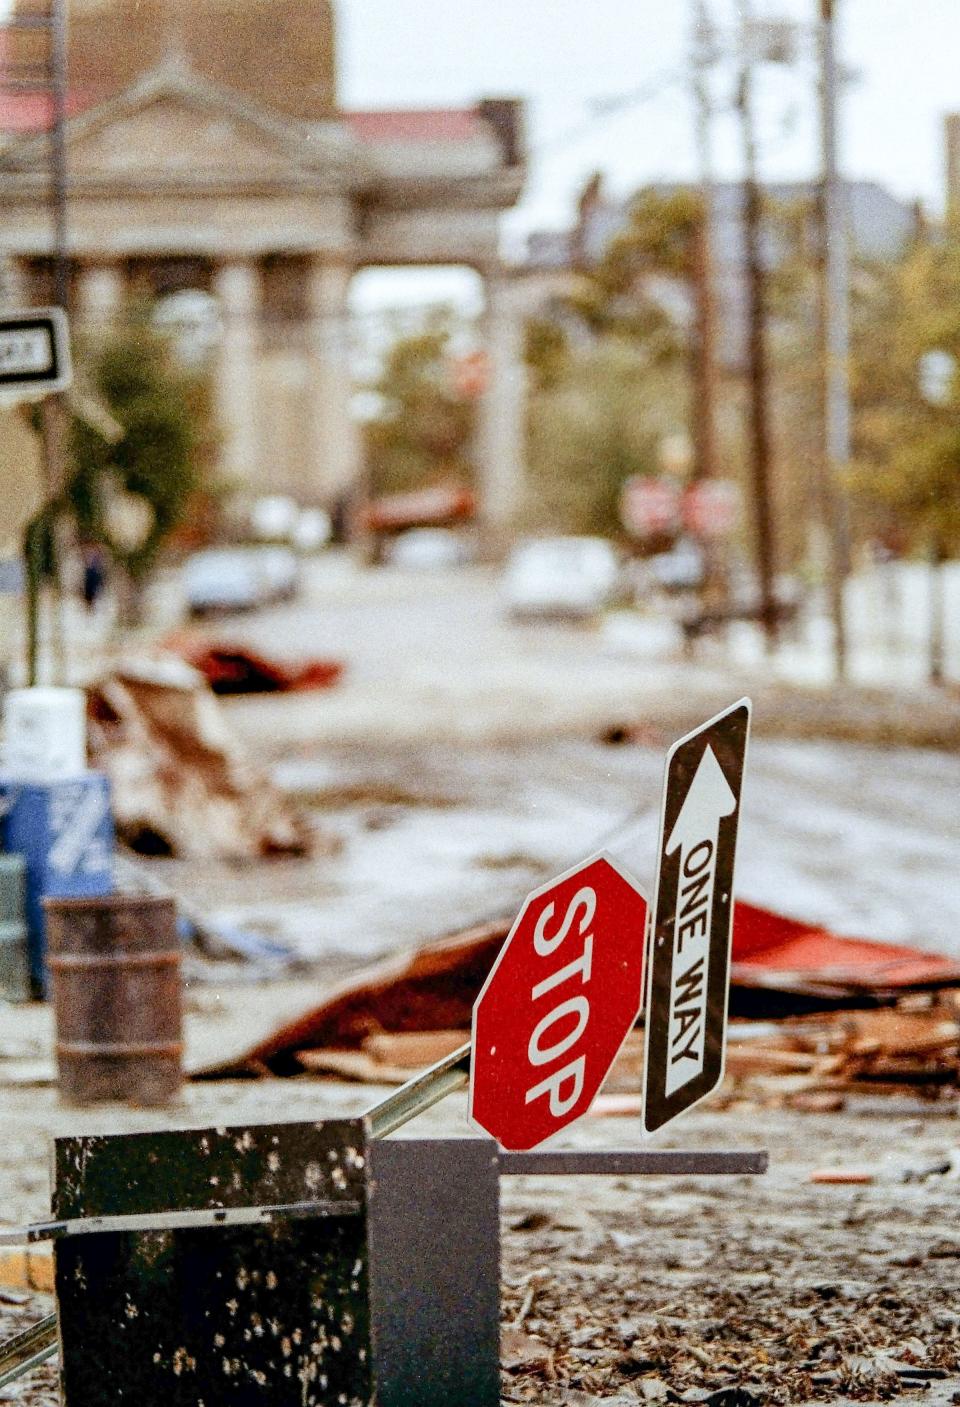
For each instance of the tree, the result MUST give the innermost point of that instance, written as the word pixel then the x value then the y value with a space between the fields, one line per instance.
pixel 607 369
pixel 423 427
pixel 598 422
pixel 659 242
pixel 164 417
pixel 907 432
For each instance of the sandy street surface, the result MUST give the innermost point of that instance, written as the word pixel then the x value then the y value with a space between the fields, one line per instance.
pixel 759 1289
pixel 765 1289
pixel 860 838
pixel 430 765
pixel 863 839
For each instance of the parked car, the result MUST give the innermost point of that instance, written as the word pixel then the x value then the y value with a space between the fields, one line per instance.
pixel 279 569
pixel 427 549
pixel 680 569
pixel 571 577
pixel 239 578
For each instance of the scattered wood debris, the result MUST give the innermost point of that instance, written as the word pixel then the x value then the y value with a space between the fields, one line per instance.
pixel 813 1062
pixel 871 1018
pixel 810 1063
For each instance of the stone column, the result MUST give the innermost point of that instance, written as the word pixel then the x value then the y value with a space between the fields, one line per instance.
pixel 500 438
pixel 236 286
pixel 101 289
pixel 14 284
pixel 335 452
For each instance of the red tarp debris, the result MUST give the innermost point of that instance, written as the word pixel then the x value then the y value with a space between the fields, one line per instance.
pixel 434 507
pixel 782 955
pixel 780 967
pixel 237 669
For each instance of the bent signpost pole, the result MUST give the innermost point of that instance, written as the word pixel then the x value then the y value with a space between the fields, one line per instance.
pixel 35 365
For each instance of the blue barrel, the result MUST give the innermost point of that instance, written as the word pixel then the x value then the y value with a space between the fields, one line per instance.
pixel 64 831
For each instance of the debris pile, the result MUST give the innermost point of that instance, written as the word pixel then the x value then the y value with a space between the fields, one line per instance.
pixel 816 1018
pixel 233 668
pixel 817 1060
pixel 180 783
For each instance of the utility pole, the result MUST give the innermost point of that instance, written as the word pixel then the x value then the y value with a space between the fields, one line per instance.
pixel 757 360
pixel 54 411
pixel 47 75
pixel 834 334
pixel 705 358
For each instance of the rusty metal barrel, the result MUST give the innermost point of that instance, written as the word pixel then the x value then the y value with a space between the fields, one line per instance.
pixel 116 988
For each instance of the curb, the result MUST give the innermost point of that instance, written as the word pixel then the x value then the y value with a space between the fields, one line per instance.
pixel 30 1269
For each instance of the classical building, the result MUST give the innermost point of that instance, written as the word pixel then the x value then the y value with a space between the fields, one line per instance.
pixel 207 152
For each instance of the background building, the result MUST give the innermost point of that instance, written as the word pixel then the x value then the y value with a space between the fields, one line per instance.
pixel 207 154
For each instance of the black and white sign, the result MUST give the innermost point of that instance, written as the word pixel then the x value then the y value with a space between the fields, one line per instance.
pixel 35 351
pixel 689 959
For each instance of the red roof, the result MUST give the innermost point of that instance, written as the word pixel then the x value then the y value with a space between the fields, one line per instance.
pixel 416 125
pixel 31 112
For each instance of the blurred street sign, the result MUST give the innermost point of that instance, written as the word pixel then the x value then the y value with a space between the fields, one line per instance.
pixel 35 352
pixel 690 935
pixel 711 508
pixel 650 507
pixel 560 1000
pixel 471 375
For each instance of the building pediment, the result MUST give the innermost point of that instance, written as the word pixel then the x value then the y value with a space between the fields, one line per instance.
pixel 175 129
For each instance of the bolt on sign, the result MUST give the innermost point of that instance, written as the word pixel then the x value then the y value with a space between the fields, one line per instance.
pixel 562 997
pixel 35 352
pixel 689 960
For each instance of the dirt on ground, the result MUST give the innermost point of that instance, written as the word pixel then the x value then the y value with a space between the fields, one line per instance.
pixel 743 1290
pixel 733 1291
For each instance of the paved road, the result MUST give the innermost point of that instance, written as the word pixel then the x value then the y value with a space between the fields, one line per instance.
pixel 434 654
pixel 442 828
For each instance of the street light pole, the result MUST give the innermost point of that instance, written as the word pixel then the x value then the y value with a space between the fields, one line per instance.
pixel 757 360
pixel 834 333
pixel 704 360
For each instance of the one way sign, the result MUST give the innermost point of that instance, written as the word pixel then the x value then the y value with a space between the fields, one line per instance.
pixel 689 958
pixel 35 352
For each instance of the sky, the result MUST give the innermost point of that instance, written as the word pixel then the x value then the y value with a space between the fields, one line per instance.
pixel 563 56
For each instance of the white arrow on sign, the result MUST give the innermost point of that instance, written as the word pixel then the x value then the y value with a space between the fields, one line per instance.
pixel 695 833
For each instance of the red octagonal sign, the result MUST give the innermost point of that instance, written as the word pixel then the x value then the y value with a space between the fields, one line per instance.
pixel 563 994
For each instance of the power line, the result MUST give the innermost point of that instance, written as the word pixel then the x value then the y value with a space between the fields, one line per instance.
pixel 604 109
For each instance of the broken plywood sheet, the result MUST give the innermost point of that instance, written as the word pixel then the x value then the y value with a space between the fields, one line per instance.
pixel 181 783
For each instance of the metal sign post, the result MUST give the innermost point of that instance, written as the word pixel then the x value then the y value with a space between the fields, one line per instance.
pixel 35 365
pixel 693 917
pixel 323 1263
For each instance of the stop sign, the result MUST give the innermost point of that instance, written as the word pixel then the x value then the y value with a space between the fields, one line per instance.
pixel 649 507
pixel 711 508
pixel 563 994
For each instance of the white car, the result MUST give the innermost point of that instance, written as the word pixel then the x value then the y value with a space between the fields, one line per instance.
pixel 279 570
pixel 427 549
pixel 239 578
pixel 573 577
